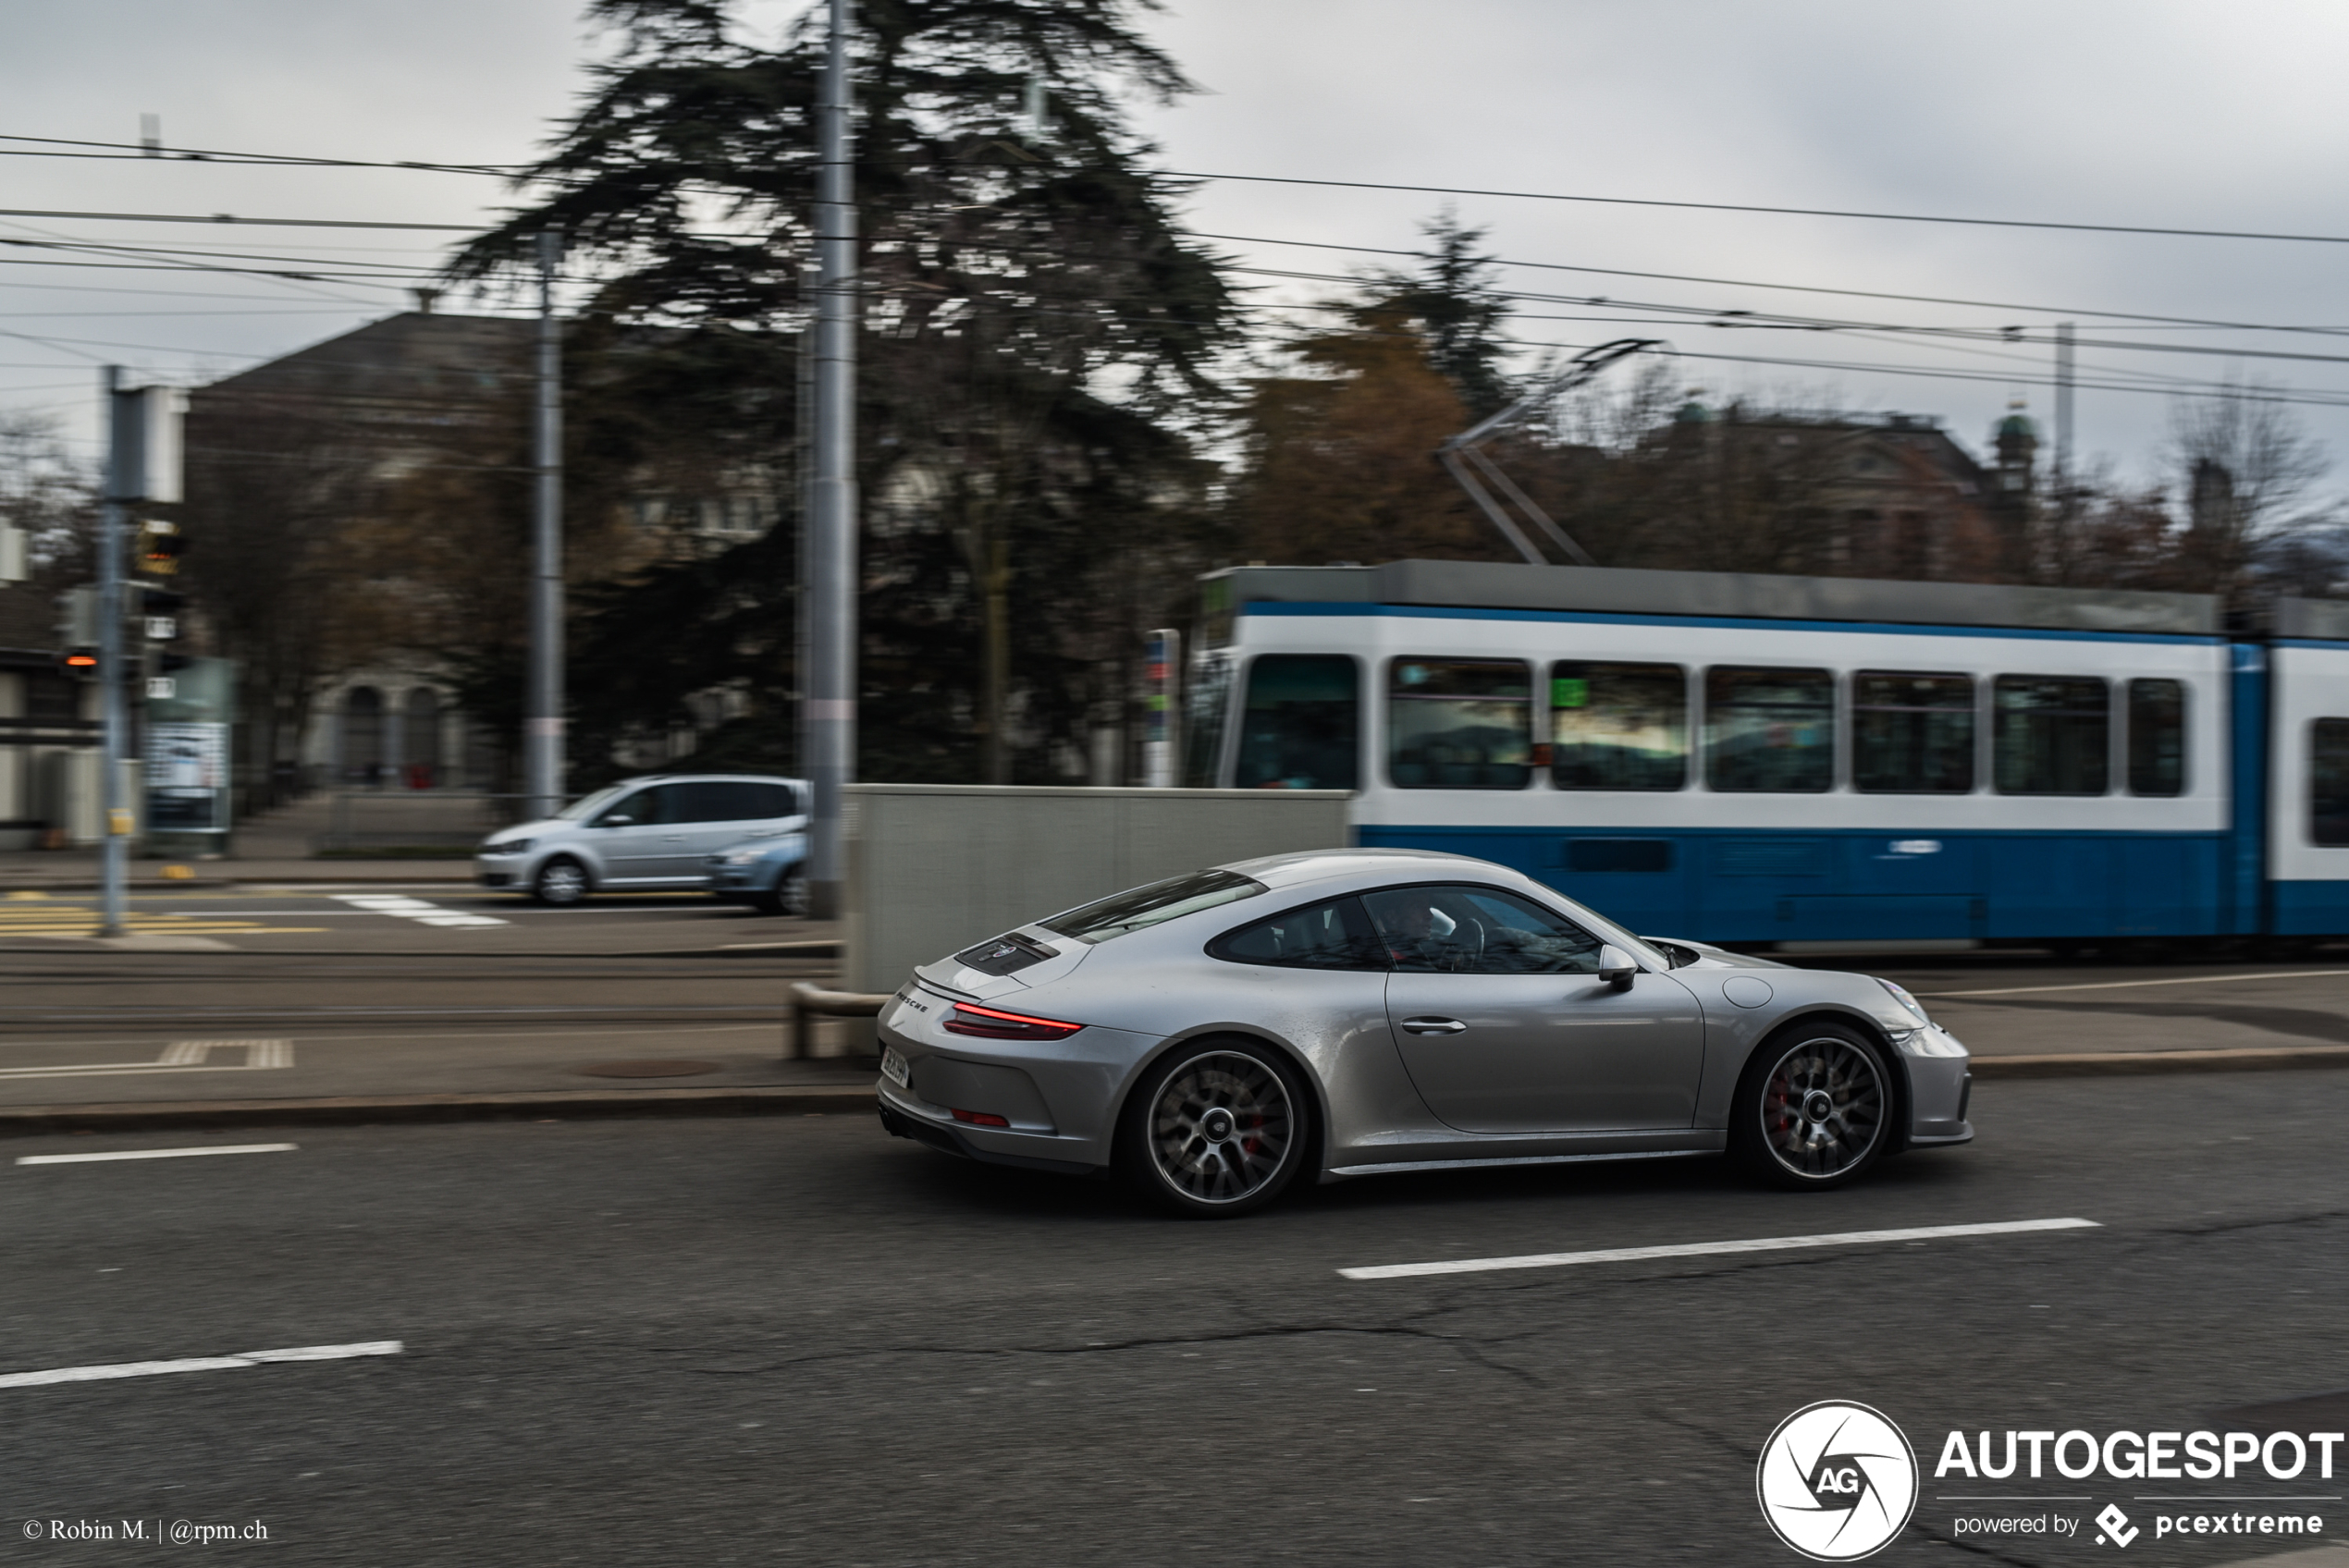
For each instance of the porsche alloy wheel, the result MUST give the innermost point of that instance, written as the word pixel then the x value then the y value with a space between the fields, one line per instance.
pixel 1216 1131
pixel 1816 1107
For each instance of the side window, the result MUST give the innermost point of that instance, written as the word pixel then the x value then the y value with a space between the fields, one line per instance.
pixel 2051 735
pixel 1464 930
pixel 743 801
pixel 646 808
pixel 1302 725
pixel 1911 734
pixel 2329 782
pixel 1459 724
pixel 2157 738
pixel 1618 725
pixel 1336 935
pixel 1769 729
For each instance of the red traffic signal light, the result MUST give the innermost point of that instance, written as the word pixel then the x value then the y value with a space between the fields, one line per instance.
pixel 80 661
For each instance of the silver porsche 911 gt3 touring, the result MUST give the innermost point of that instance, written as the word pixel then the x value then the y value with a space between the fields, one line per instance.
pixel 1354 1012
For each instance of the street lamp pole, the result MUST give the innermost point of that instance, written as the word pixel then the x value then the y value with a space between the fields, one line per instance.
pixel 828 686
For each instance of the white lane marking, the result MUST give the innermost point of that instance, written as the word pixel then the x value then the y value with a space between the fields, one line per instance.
pixel 1704 1249
pixel 151 1153
pixel 197 1364
pixel 180 1056
pixel 418 909
pixel 2132 985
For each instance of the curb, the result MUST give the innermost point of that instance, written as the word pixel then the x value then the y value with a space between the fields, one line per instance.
pixel 2102 1064
pixel 815 1099
pixel 819 1099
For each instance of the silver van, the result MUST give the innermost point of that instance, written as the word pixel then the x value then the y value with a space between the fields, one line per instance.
pixel 646 834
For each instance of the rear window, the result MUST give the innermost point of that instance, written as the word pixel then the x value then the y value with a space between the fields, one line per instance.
pixel 1150 905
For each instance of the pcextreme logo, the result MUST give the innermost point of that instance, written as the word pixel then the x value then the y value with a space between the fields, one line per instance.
pixel 1837 1481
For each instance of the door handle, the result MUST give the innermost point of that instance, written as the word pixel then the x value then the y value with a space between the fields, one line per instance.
pixel 1434 1025
pixel 673 838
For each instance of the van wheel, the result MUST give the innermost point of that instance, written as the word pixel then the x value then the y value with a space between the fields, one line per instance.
pixel 560 882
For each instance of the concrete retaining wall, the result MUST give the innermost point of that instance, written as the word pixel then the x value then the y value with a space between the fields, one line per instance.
pixel 933 868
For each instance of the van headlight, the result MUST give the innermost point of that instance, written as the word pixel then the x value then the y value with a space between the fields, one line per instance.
pixel 741 857
pixel 508 847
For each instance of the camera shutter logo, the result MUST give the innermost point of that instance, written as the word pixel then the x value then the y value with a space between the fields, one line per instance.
pixel 1837 1481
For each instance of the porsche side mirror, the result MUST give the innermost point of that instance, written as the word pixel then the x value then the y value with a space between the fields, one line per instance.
pixel 1615 967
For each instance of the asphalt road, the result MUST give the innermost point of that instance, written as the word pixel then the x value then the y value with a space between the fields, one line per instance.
pixel 800 1341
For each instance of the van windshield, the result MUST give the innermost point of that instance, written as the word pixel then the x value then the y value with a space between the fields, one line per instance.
pixel 1149 905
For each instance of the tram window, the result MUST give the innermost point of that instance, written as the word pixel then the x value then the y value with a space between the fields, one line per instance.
pixel 1207 694
pixel 1769 729
pixel 1911 734
pixel 2051 735
pixel 1301 727
pixel 1618 725
pixel 2157 738
pixel 1459 724
pixel 2329 782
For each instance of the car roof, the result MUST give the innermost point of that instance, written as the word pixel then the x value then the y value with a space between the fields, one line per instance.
pixel 1368 865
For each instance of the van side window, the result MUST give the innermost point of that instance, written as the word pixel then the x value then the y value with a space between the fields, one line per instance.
pixel 2051 735
pixel 1618 725
pixel 2157 738
pixel 1769 729
pixel 1911 734
pixel 648 807
pixel 2329 782
pixel 1301 727
pixel 1459 724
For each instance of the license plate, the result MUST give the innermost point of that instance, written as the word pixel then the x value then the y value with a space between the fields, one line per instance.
pixel 894 1067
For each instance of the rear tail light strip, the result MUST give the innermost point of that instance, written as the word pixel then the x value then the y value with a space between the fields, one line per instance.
pixel 992 1024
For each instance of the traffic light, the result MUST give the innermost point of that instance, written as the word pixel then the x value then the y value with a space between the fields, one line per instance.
pixel 80 662
pixel 160 544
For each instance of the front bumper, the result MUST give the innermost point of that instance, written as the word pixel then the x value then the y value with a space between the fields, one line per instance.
pixel 1940 1086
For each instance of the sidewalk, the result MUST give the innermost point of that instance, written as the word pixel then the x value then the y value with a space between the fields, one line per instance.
pixel 704 1069
pixel 277 848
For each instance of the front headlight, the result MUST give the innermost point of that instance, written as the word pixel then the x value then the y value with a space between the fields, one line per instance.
pixel 741 857
pixel 510 847
pixel 1900 994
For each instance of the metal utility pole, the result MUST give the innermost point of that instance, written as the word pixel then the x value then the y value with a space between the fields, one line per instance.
pixel 828 687
pixel 122 462
pixel 543 723
pixel 143 464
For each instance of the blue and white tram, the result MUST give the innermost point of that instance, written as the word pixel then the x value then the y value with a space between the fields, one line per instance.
pixel 1745 759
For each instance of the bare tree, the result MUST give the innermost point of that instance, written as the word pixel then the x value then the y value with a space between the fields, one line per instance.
pixel 2243 466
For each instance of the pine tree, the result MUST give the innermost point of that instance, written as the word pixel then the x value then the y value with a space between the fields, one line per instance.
pixel 1038 338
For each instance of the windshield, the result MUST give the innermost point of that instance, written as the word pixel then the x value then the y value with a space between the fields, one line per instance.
pixel 587 806
pixel 1139 907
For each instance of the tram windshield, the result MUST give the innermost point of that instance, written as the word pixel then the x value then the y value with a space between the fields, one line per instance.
pixel 1301 727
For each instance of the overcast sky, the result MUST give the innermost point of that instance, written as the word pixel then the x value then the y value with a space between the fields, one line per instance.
pixel 2149 111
